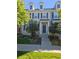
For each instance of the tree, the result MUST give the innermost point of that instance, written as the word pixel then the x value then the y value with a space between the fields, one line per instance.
pixel 22 14
pixel 59 12
pixel 32 28
pixel 55 30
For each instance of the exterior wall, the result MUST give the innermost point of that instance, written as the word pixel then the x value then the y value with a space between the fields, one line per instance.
pixel 49 19
pixel 40 20
pixel 43 12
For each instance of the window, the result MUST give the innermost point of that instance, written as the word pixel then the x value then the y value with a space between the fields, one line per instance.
pixel 41 7
pixel 41 15
pixel 52 15
pixel 38 15
pixel 35 15
pixel 44 15
pixel 31 7
pixel 32 15
pixel 47 15
pixel 58 6
pixel 55 15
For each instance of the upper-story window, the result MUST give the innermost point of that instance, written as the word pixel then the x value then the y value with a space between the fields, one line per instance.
pixel 47 15
pixel 55 15
pixel 52 15
pixel 44 15
pixel 41 15
pixel 35 15
pixel 32 15
pixel 41 6
pixel 38 15
pixel 30 6
pixel 58 6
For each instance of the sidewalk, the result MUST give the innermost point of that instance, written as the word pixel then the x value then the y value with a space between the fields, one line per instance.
pixel 50 51
pixel 27 47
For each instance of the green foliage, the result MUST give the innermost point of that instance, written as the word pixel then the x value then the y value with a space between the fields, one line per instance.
pixel 22 14
pixel 39 55
pixel 55 28
pixel 26 40
pixel 59 12
pixel 55 40
pixel 32 28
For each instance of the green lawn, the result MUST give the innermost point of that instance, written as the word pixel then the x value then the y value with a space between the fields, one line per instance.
pixel 37 55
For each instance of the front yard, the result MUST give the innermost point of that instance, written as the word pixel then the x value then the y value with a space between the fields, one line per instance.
pixel 24 39
pixel 38 55
pixel 55 40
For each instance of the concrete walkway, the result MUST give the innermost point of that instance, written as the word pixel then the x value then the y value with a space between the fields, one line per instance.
pixel 45 46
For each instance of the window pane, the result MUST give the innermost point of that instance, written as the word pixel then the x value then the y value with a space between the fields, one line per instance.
pixel 41 7
pixel 55 15
pixel 32 15
pixel 41 15
pixel 47 15
pixel 35 15
pixel 38 15
pixel 31 7
pixel 58 6
pixel 52 15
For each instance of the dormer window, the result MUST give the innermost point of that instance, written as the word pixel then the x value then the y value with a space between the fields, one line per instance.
pixel 47 15
pixel 58 6
pixel 31 7
pixel 41 6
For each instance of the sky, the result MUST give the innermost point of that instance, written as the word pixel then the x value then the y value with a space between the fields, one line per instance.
pixel 48 3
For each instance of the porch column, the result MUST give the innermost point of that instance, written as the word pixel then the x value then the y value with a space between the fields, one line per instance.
pixel 48 27
pixel 40 28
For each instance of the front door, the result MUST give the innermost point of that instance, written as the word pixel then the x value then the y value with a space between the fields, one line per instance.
pixel 44 28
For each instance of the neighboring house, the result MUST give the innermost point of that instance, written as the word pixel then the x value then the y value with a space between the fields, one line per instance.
pixel 44 16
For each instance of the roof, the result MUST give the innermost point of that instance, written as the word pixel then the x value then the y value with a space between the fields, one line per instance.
pixel 44 9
